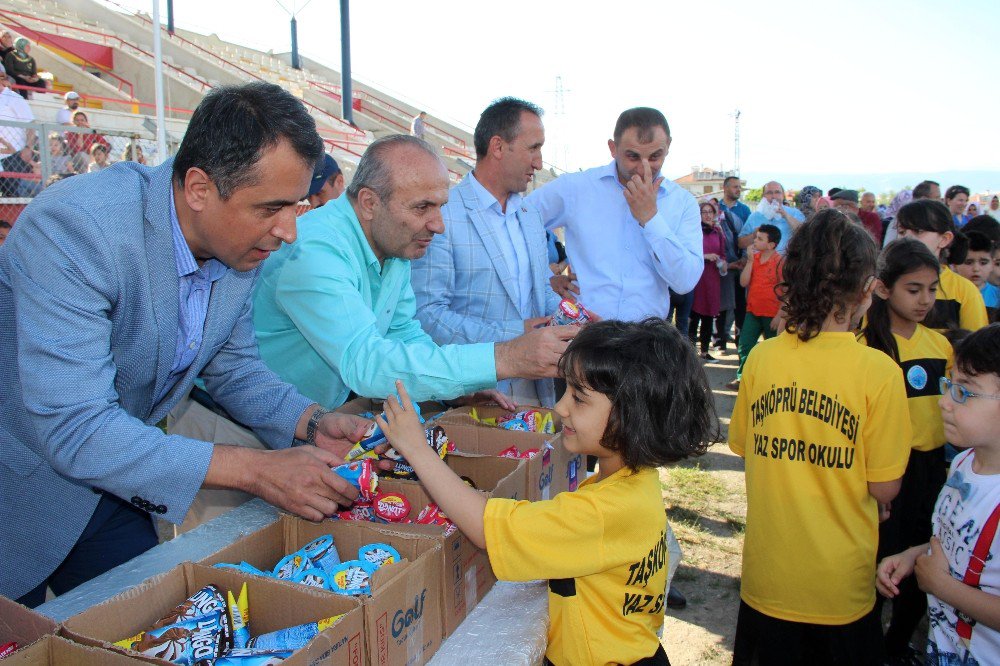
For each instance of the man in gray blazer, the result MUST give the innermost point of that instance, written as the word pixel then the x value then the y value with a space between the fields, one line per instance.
pixel 117 290
pixel 486 278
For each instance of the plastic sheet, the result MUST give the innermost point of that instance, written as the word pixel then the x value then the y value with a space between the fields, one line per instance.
pixel 509 626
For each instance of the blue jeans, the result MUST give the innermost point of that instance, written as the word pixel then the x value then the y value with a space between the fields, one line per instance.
pixel 680 304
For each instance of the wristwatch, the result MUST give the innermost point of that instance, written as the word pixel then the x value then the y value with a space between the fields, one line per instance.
pixel 313 424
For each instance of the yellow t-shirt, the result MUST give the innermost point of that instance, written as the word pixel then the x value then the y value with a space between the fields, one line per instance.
pixel 958 302
pixel 924 358
pixel 603 549
pixel 816 421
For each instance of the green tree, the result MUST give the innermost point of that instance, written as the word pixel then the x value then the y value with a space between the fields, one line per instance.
pixel 754 195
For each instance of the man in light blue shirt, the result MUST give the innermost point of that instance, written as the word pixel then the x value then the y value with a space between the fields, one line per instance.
pixel 485 279
pixel 335 312
pixel 786 218
pixel 631 235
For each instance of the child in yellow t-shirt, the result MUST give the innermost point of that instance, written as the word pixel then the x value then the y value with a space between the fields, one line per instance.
pixel 823 425
pixel 959 303
pixel 907 283
pixel 637 398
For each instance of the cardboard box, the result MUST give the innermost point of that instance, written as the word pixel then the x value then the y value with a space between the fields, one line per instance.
pixel 403 616
pixel 552 471
pixel 273 605
pixel 57 651
pixel 428 409
pixel 467 575
pixel 463 415
pixel 22 625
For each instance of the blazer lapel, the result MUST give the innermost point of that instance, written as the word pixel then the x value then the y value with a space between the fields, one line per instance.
pixel 534 238
pixel 491 239
pixel 162 276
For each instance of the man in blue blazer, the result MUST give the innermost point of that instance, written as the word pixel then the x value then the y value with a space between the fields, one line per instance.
pixel 117 290
pixel 486 278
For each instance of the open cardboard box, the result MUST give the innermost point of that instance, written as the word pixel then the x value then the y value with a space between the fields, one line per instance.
pixel 428 409
pixel 463 415
pixel 21 624
pixel 273 605
pixel 552 471
pixel 403 617
pixel 57 651
pixel 467 575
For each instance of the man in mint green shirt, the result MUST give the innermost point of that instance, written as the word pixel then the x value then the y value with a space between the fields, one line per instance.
pixel 335 311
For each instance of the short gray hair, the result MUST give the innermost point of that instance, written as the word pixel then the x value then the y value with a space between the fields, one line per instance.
pixel 375 170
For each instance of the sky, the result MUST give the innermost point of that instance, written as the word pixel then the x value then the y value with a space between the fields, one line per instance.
pixel 849 87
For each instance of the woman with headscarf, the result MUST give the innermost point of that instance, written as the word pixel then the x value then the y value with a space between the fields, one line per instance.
pixel 730 227
pixel 994 209
pixel 707 293
pixel 805 200
pixel 20 64
pixel 898 201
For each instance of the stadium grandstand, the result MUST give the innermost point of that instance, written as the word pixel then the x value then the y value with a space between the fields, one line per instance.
pixel 103 54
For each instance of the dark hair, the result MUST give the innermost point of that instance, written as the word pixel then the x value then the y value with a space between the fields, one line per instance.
pixel 729 178
pixel 958 251
pixel 900 257
pixel 662 409
pixel 772 232
pixel 502 118
pixel 827 265
pixel 833 190
pixel 375 169
pixel 985 225
pixel 978 242
pixel 644 119
pixel 954 191
pixel 4 224
pixel 234 125
pixel 926 215
pixel 923 189
pixel 979 353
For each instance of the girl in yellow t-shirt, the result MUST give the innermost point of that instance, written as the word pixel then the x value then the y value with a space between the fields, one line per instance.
pixel 637 398
pixel 823 425
pixel 959 303
pixel 907 283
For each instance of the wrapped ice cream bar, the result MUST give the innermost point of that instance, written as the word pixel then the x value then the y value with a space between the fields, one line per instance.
pixel 436 439
pixel 291 566
pixel 245 567
pixel 514 452
pixel 7 649
pixel 251 657
pixel 362 511
pixel 292 638
pixel 374 435
pixel 352 577
pixel 207 600
pixel 314 578
pixel 379 554
pixel 189 642
pixel 361 475
pixel 570 313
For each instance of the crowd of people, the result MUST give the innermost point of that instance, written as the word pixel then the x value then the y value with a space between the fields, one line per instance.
pixel 198 291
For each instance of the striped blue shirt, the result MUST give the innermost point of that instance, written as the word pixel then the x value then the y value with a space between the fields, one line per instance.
pixel 194 287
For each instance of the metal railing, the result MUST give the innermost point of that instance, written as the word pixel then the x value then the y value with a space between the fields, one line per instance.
pixel 34 155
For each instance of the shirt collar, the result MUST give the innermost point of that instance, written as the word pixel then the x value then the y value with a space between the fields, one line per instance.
pixel 343 204
pixel 488 201
pixel 183 258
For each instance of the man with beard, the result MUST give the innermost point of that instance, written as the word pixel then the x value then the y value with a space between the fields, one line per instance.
pixel 631 235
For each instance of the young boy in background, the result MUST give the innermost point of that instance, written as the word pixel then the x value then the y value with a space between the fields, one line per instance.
pixel 759 277
pixel 977 267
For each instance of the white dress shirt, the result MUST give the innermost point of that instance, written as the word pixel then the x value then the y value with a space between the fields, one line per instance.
pixel 625 270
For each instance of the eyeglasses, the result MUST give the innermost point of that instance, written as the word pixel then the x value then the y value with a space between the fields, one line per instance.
pixel 959 393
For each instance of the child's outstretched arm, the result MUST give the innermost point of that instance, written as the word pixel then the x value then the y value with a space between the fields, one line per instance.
pixel 893 569
pixel 465 506
pixel 934 577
